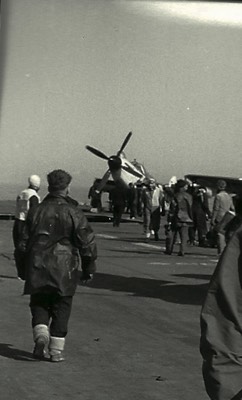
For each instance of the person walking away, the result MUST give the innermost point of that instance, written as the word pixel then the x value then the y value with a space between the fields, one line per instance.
pixel 56 236
pixel 25 201
pixel 179 218
pixel 222 204
pixel 119 197
pixel 152 201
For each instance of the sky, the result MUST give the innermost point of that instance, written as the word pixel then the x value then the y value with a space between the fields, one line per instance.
pixel 78 72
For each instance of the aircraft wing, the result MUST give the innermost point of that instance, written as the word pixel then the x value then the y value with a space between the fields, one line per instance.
pixel 234 185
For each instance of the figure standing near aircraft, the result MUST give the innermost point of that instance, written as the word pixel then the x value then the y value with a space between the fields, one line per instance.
pixel 95 197
pixel 26 200
pixel 152 201
pixel 200 213
pixel 132 200
pixel 222 204
pixel 179 218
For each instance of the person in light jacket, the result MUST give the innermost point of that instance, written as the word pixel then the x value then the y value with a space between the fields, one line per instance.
pixel 26 200
pixel 222 204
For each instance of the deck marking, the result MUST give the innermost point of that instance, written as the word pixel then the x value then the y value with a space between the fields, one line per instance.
pixel 151 246
pixel 159 263
pixel 102 235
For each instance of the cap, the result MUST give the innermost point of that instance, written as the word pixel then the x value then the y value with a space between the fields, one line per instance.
pixel 58 180
pixel 34 181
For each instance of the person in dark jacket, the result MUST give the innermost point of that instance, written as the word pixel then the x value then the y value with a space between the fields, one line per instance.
pixel 221 325
pixel 200 213
pixel 179 218
pixel 132 197
pixel 56 236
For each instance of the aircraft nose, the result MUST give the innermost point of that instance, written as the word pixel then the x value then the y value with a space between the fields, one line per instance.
pixel 114 163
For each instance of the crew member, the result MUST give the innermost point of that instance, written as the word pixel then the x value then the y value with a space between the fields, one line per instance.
pixel 152 200
pixel 222 204
pixel 26 200
pixel 179 218
pixel 221 325
pixel 56 234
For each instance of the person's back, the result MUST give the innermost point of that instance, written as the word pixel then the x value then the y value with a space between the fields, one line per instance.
pixel 179 217
pixel 56 235
pixel 184 204
pixel 222 204
pixel 24 202
pixel 55 230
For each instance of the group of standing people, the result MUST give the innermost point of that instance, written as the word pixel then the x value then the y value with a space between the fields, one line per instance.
pixel 187 211
pixel 51 238
pixel 189 215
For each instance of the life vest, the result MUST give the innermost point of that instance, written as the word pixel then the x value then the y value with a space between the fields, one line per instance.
pixel 22 203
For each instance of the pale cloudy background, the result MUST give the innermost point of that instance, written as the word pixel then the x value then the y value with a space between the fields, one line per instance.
pixel 79 72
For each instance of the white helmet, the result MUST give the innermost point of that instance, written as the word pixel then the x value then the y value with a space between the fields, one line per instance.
pixel 34 181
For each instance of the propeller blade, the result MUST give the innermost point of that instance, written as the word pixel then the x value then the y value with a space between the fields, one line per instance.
pixel 126 140
pixel 104 180
pixel 97 153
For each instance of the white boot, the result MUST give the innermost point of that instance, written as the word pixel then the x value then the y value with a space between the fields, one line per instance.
pixel 56 348
pixel 41 339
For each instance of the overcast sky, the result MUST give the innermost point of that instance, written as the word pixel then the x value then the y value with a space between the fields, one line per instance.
pixel 87 72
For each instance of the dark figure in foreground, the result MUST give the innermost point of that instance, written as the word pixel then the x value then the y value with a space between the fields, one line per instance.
pixel 221 324
pixel 56 236
pixel 25 201
pixel 179 218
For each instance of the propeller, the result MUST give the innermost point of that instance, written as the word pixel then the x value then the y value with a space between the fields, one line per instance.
pixel 104 180
pixel 126 140
pixel 97 152
pixel 113 161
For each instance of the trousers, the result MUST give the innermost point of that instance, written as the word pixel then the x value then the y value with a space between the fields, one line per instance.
pixel 52 310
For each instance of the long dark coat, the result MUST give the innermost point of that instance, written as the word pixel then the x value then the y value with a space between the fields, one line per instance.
pixel 221 325
pixel 57 235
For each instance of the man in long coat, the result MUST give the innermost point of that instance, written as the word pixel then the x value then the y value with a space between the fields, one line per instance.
pixel 221 325
pixel 56 238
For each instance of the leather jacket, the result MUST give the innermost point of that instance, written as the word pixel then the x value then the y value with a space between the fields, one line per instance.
pixel 56 237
